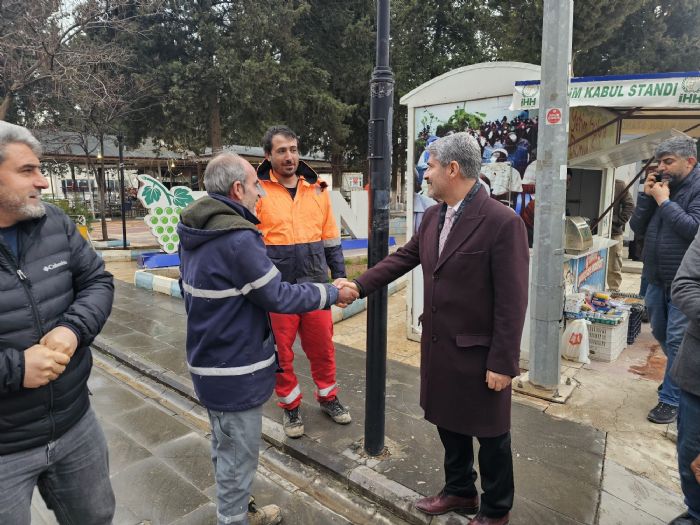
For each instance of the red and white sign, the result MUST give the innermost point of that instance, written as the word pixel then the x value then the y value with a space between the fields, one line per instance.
pixel 554 116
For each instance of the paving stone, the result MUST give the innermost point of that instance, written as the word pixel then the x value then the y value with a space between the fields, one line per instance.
pixel 189 455
pixel 206 514
pixel 569 448
pixel 150 327
pixel 170 358
pixel 111 400
pixel 150 426
pixel 554 488
pixel 614 511
pixel 640 492
pixel 416 455
pixel 113 328
pixel 124 516
pixel 153 491
pixel 176 339
pixel 123 451
pixel 527 512
pixel 210 493
pixel 135 340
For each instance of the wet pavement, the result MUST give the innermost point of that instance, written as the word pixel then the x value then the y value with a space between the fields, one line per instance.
pixel 559 464
pixel 161 468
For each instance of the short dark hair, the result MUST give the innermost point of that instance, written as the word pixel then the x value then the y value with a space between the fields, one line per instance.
pixel 276 130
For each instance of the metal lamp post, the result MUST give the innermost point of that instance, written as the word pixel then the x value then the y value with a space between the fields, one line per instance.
pixel 120 140
pixel 380 128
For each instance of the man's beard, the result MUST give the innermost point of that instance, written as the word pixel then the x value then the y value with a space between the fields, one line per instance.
pixel 674 181
pixel 22 210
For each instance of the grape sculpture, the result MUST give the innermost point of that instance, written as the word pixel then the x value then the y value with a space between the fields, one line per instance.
pixel 164 207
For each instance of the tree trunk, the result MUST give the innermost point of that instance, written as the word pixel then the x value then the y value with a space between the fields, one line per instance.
pixel 101 189
pixel 337 170
pixel 215 122
pixel 5 105
pixel 200 177
pixel 75 186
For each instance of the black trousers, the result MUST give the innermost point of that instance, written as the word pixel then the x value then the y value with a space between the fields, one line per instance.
pixel 495 466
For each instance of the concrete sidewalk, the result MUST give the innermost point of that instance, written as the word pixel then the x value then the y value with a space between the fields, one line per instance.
pixel 161 469
pixel 561 471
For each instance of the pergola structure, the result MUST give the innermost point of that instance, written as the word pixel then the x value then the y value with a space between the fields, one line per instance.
pixel 83 152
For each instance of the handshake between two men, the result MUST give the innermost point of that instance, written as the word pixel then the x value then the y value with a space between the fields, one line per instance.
pixel 347 292
pixel 45 361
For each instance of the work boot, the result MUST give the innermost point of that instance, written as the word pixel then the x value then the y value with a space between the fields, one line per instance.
pixel 267 515
pixel 663 413
pixel 336 410
pixel 293 425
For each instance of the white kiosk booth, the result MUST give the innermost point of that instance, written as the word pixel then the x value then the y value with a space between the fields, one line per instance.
pixel 604 112
pixel 484 89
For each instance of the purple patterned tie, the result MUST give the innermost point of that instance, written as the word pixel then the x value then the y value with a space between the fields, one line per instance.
pixel 446 227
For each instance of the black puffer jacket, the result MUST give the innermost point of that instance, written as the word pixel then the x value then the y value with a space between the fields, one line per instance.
pixel 668 230
pixel 58 280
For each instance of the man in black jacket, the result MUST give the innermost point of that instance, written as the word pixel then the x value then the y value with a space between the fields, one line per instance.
pixel 686 374
pixel 56 296
pixel 668 215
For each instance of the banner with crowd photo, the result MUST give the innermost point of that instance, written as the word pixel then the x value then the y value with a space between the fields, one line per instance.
pixel 505 136
pixel 660 90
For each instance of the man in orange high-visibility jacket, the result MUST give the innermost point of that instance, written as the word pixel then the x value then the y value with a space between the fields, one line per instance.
pixel 303 241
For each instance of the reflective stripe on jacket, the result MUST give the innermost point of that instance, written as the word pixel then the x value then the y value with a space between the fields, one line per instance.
pixel 301 234
pixel 228 286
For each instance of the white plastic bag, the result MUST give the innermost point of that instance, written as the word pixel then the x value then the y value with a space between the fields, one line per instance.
pixel 574 342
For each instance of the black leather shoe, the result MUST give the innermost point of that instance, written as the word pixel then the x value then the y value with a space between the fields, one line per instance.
pixel 442 503
pixel 480 519
pixel 684 519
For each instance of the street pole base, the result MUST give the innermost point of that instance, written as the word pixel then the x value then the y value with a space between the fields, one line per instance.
pixel 560 394
pixel 358 452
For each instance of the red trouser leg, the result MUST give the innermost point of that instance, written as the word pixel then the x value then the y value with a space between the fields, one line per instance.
pixel 316 332
pixel 285 327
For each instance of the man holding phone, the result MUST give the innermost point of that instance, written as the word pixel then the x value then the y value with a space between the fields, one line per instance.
pixel 668 216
